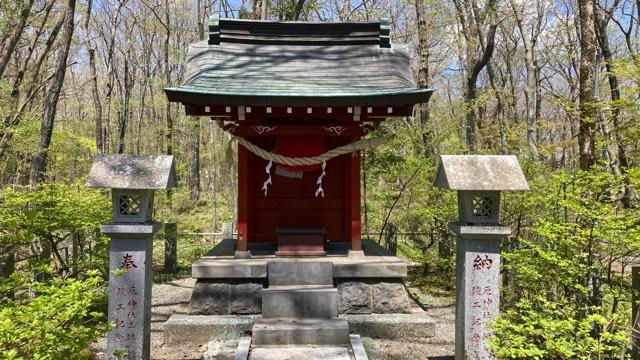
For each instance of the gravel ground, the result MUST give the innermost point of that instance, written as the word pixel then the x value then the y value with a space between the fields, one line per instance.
pixel 173 297
pixel 439 347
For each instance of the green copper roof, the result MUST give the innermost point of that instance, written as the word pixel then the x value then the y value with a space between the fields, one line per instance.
pixel 259 63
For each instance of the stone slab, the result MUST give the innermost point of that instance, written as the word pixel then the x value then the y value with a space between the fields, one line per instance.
pixel 300 353
pixel 407 327
pixel 297 252
pixel 139 231
pixel 355 253
pixel 210 298
pixel 245 298
pixel 300 301
pixel 216 350
pixel 358 347
pixel 479 231
pixel 390 298
pixel 354 297
pixel 244 346
pixel 226 296
pixel 199 329
pixel 300 273
pixel 371 269
pixel 229 269
pixel 300 331
pixel 256 267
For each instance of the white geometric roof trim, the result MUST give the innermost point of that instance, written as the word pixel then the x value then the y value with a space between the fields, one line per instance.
pixel 480 172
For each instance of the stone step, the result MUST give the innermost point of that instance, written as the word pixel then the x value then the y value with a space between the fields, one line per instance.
pixel 300 331
pixel 300 353
pixel 300 301
pixel 299 273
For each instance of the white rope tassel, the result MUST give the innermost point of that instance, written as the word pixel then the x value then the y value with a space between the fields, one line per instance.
pixel 265 185
pixel 320 191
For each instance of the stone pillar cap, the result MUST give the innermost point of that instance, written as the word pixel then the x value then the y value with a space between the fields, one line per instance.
pixel 480 172
pixel 139 172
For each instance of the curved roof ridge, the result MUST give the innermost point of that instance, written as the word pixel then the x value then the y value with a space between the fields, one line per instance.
pixel 298 32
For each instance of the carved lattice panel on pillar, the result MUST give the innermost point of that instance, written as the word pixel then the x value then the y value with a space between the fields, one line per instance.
pixel 482 206
pixel 129 205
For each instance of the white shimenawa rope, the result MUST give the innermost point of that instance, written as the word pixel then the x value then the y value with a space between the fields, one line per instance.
pixel 292 161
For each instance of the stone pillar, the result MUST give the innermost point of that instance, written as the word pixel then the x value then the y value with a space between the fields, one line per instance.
pixel 478 179
pixel 477 287
pixel 170 248
pixel 227 231
pixel 130 261
pixel 133 179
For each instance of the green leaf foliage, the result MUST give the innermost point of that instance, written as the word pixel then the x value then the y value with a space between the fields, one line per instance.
pixel 566 293
pixel 53 320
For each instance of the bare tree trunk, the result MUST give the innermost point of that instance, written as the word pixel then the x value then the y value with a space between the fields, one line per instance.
pixel 264 9
pixel 619 161
pixel 167 74
pixel 195 163
pixel 587 129
pixel 200 14
pixel 297 10
pixel 502 127
pixel 17 33
pixel 95 94
pixel 124 117
pixel 110 75
pixel 479 49
pixel 39 163
pixel 32 48
pixel 214 194
pixel 24 96
pixel 530 92
pixel 423 72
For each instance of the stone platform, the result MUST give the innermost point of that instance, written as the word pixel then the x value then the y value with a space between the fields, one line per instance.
pixel 199 329
pixel 367 284
pixel 219 263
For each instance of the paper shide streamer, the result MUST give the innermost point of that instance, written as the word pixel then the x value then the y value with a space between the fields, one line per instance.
pixel 320 190
pixel 267 170
pixel 265 185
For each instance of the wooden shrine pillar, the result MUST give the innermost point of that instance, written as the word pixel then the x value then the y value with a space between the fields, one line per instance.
pixel 243 202
pixel 354 203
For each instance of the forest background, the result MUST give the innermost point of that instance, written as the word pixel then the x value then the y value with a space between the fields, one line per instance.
pixel 555 82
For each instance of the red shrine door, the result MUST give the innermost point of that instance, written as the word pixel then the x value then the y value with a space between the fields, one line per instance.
pixel 291 202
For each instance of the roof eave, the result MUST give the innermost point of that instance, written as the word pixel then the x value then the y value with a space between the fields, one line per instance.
pixel 402 97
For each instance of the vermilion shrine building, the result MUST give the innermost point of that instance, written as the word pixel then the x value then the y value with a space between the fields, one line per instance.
pixel 298 89
pixel 299 99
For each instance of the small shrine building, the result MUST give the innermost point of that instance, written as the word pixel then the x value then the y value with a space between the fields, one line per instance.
pixel 298 90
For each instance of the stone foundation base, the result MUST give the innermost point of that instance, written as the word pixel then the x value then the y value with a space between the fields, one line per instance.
pixel 199 329
pixel 366 296
pixel 226 297
pixel 244 296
